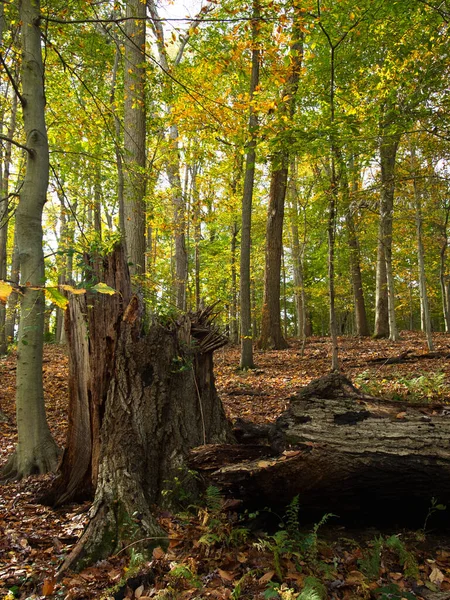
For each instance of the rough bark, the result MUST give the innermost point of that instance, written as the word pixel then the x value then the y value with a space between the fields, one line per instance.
pixel 92 326
pixel 271 332
pixel 36 451
pixel 424 308
pixel 342 452
pixel 134 414
pixel 4 219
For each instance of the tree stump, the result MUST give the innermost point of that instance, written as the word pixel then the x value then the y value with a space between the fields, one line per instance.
pixel 156 400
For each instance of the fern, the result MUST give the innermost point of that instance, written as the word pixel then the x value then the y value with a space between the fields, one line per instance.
pixel 292 517
pixel 214 499
pixel 313 590
pixel 406 558
pixel 371 564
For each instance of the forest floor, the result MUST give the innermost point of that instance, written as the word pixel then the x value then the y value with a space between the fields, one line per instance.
pixel 213 553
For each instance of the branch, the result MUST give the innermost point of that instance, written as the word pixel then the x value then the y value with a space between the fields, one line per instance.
pixel 12 80
pixel 11 141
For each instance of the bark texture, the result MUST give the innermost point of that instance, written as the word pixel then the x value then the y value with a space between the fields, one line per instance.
pixel 151 400
pixel 341 451
pixel 92 328
pixel 134 136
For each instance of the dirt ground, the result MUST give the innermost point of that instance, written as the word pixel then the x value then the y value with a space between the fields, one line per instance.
pixel 34 539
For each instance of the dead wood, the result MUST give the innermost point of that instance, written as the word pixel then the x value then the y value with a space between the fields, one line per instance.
pixel 343 451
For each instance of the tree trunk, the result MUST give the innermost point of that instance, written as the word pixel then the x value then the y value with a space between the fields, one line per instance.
pixel 424 309
pixel 36 451
pixel 271 334
pixel 362 327
pixel 11 310
pixel 134 136
pixel 247 198
pixel 342 452
pixel 234 333
pixel 388 152
pixel 159 400
pixel 92 324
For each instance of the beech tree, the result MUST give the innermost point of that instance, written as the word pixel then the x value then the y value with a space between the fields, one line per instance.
pixel 36 451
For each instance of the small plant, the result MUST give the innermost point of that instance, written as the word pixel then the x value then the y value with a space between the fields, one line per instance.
pixel 220 528
pixel 406 558
pixel 313 589
pixel 370 565
pixel 427 386
pixel 183 572
pixel 393 592
pixel 434 507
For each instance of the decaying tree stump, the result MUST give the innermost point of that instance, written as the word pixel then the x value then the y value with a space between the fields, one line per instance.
pixel 341 451
pixel 153 401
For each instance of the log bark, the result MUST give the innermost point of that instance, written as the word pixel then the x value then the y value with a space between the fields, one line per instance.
pixel 341 451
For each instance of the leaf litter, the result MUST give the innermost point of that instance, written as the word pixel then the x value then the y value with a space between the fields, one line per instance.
pixel 206 558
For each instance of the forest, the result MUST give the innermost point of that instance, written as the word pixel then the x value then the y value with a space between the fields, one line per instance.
pixel 265 182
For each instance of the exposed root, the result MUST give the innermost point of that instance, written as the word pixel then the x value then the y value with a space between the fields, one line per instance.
pixel 38 463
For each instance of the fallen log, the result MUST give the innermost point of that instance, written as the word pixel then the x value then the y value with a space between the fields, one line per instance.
pixel 341 451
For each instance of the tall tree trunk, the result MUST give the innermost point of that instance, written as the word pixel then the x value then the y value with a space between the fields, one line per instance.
pixel 11 310
pixel 298 250
pixel 234 334
pixel 247 198
pixel 424 309
pixel 362 327
pixel 36 451
pixel 388 151
pixel 443 276
pixel 271 332
pixel 134 136
pixel 4 220
pixel 381 294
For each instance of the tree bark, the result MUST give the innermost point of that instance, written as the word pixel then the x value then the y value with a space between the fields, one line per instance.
pixel 36 451
pixel 246 361
pixel 271 333
pixel 342 452
pixel 138 402
pixel 424 309
pixel 388 151
pixel 134 136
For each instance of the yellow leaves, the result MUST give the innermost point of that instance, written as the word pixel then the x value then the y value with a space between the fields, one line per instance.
pixel 102 288
pixel 5 291
pixel 55 296
pixel 72 290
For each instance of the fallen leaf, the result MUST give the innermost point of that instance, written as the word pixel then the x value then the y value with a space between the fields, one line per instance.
pixel 158 553
pixel 48 587
pixel 436 576
pixel 139 591
pixel 266 577
pixel 226 575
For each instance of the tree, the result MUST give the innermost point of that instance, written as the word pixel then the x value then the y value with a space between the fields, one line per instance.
pixel 142 400
pixel 247 197
pixel 271 334
pixel 134 127
pixel 36 451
